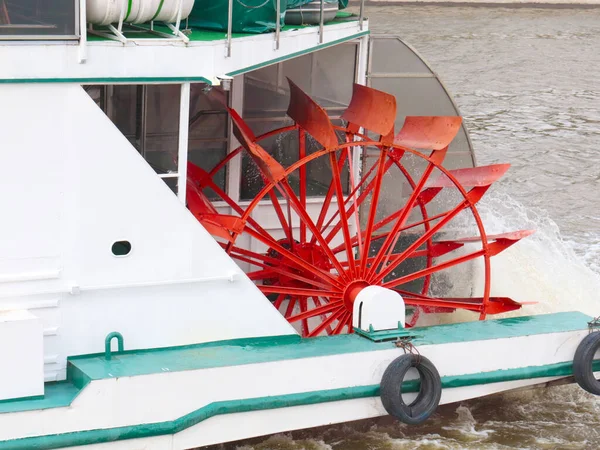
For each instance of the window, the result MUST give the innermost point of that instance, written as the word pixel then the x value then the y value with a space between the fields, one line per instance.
pixel 149 117
pixel 37 19
pixel 327 76
pixel 208 130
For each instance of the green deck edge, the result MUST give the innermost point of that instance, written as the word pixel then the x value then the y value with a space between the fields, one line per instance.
pixel 90 437
pixel 56 395
pixel 281 348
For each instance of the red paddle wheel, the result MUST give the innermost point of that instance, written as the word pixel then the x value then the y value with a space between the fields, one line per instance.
pixel 324 249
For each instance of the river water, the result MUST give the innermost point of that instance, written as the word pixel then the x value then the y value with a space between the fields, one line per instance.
pixel 528 85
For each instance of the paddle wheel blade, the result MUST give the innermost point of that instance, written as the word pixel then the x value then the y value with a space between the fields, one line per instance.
pixel 371 109
pixel 270 169
pixel 311 117
pixel 497 243
pixel 493 305
pixel 428 132
pixel 480 176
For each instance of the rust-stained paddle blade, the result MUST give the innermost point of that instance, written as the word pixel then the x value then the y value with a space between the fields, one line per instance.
pixel 428 132
pixel 270 169
pixel 311 117
pixel 471 176
pixel 371 109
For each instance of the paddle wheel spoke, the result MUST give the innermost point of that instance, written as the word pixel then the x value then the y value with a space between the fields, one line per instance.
pixel 427 235
pixel 279 300
pixel 274 265
pixel 299 291
pixel 336 314
pixel 373 208
pixel 393 235
pixel 324 309
pixel 434 269
pixel 303 180
pixel 327 201
pixel 343 218
pixel 304 216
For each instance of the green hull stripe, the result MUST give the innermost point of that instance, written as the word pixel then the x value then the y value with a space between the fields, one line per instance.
pixel 162 2
pixel 264 403
pixel 296 54
pixel 109 80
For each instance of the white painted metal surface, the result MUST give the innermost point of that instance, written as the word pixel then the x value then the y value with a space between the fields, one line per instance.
pixel 152 58
pixel 86 190
pixel 378 308
pixel 21 354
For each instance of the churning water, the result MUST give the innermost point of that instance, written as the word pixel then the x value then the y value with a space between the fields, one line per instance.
pixel 528 85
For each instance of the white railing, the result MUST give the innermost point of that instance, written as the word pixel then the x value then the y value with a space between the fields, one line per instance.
pixel 278 23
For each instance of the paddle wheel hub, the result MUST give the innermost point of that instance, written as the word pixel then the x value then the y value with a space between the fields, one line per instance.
pixel 354 232
pixel 351 292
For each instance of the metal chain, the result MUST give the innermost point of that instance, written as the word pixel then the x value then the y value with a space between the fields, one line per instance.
pixel 594 324
pixel 405 343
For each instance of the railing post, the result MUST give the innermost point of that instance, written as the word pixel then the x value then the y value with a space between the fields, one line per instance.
pixel 182 157
pixel 82 31
pixel 278 26
pixel 321 21
pixel 229 27
pixel 361 14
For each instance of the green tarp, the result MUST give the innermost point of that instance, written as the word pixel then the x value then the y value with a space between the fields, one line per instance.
pixel 249 16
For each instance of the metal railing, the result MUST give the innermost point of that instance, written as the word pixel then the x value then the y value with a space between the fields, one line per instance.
pixel 278 23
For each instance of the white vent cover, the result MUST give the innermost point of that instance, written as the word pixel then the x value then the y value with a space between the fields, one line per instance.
pixel 379 308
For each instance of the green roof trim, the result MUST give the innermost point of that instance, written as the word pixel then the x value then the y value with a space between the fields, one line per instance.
pixel 299 53
pixel 88 437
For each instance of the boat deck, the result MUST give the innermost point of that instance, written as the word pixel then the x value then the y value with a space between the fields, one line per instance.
pixel 203 35
pixel 278 348
pixel 86 368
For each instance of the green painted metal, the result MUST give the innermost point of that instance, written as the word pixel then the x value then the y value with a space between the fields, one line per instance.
pixel 109 80
pixel 384 335
pixel 89 437
pixel 120 345
pixel 296 54
pixel 56 395
pixel 281 348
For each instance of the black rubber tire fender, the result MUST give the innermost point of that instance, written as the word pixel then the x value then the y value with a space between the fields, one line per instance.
pixel 428 397
pixel 582 363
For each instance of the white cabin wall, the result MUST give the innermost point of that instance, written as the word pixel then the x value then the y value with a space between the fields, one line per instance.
pixel 73 185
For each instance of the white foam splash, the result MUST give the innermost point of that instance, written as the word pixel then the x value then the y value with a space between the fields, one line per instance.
pixel 544 267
